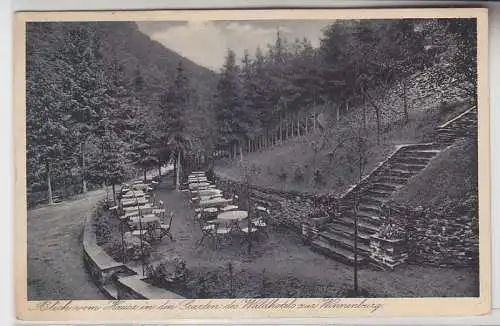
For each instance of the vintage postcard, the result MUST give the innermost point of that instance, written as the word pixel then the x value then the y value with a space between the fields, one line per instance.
pixel 221 164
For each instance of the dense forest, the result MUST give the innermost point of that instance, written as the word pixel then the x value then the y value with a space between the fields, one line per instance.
pixel 104 101
pixel 273 97
pixel 95 92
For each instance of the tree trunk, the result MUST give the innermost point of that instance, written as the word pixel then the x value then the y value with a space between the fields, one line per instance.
pixel 145 176
pixel 298 126
pixel 287 126
pixel 175 172
pixel 241 153
pixel 248 146
pixel 177 178
pixel 377 114
pixel 49 185
pixel 305 124
pixel 282 131
pixel 338 113
pixel 114 193
pixel 84 182
pixel 405 102
pixel 314 122
pixel 355 270
pixel 159 169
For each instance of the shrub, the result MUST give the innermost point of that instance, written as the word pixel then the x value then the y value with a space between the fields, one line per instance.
pixel 298 174
pixel 133 247
pixel 317 177
pixel 391 232
pixel 282 175
pixel 168 270
pixel 115 250
pixel 102 231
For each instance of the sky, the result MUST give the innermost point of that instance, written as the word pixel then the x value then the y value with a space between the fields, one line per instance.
pixel 206 42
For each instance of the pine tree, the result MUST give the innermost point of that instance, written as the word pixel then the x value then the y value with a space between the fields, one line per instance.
pixel 233 121
pixel 49 142
pixel 83 86
pixel 173 105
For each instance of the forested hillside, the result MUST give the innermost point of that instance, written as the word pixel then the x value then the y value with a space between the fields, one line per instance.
pixel 95 95
pixel 386 81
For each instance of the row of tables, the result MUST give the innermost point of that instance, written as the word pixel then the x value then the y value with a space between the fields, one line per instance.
pixel 137 206
pixel 210 199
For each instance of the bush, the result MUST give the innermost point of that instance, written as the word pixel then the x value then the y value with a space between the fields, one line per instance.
pixel 318 177
pixel 102 231
pixel 133 247
pixel 298 174
pixel 282 175
pixel 391 232
pixel 169 270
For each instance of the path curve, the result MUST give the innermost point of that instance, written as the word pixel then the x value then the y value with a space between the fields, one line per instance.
pixel 55 263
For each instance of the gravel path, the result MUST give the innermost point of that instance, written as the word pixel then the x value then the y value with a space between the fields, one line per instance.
pixel 55 264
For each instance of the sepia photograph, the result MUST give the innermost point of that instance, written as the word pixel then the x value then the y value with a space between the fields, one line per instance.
pixel 260 159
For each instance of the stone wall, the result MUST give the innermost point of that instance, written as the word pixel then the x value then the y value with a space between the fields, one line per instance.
pixel 98 263
pixel 135 288
pixel 287 208
pixel 439 238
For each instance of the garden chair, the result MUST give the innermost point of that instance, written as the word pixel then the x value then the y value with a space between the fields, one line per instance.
pixel 222 232
pixel 246 231
pixel 229 208
pixel 208 230
pixel 166 228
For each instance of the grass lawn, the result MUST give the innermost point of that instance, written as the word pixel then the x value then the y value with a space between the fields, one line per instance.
pixel 450 178
pixel 282 266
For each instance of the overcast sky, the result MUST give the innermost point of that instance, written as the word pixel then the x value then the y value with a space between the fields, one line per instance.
pixel 206 42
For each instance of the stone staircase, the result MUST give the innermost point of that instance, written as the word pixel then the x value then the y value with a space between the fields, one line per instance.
pixel 337 239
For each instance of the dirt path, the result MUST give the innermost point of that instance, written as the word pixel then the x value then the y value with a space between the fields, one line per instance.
pixel 55 264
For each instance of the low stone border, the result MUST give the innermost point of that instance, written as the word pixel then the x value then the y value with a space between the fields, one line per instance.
pixel 114 279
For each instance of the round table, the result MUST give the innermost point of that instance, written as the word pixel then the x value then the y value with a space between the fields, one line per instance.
pixel 198 185
pixel 233 216
pixel 214 202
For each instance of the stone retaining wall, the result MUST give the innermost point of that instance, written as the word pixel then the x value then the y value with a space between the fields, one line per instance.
pixel 438 239
pixel 287 208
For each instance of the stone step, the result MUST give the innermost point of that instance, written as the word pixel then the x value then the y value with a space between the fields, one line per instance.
pixel 343 231
pixel 388 186
pixel 408 159
pixel 408 167
pixel 430 146
pixel 369 217
pixel 363 226
pixel 420 153
pixel 378 192
pixel 347 242
pixel 372 200
pixel 343 255
pixel 392 180
pixel 369 209
pixel 398 173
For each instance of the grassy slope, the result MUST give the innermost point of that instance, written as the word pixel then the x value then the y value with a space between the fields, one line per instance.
pixel 337 174
pixel 450 177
